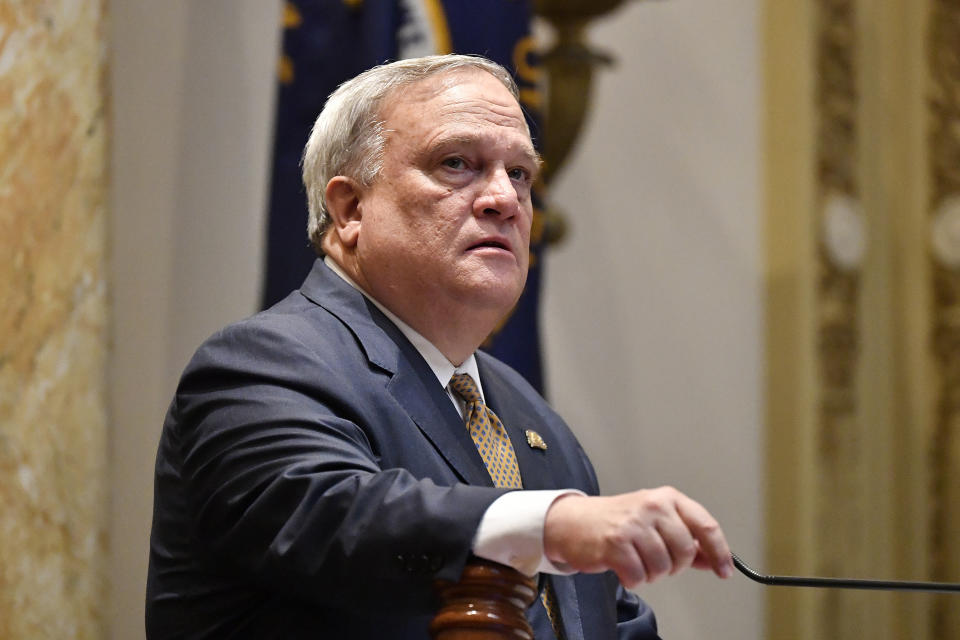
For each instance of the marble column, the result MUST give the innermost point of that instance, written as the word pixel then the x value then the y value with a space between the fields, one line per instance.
pixel 53 334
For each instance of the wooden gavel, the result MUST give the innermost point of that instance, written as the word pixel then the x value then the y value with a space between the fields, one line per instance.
pixel 488 603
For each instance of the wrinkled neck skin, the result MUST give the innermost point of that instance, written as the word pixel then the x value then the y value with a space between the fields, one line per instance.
pixel 457 328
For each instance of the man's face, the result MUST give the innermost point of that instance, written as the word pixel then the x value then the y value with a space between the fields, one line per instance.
pixel 446 225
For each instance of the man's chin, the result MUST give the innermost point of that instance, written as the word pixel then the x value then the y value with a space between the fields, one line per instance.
pixel 496 295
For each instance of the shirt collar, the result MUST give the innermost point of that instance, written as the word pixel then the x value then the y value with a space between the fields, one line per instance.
pixel 442 368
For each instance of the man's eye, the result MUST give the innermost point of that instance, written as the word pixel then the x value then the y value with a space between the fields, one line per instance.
pixel 518 173
pixel 454 163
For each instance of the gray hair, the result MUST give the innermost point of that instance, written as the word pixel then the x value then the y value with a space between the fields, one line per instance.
pixel 347 137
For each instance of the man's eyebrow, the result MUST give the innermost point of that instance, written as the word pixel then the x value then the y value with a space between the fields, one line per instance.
pixel 534 156
pixel 529 152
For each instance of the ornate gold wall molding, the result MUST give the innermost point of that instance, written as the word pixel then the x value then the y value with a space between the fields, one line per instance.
pixel 944 212
pixel 840 461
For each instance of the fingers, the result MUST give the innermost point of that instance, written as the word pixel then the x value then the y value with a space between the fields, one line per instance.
pixel 594 534
pixel 713 548
pixel 673 532
pixel 679 542
pixel 641 536
pixel 629 567
pixel 654 552
pixel 666 545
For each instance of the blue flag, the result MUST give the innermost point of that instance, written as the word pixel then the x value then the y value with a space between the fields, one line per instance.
pixel 327 42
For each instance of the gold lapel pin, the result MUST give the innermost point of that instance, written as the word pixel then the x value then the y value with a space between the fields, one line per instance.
pixel 535 440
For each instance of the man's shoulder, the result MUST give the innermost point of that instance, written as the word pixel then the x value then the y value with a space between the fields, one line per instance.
pixel 293 319
pixel 294 332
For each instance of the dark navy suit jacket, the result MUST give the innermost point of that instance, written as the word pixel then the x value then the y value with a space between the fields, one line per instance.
pixel 313 480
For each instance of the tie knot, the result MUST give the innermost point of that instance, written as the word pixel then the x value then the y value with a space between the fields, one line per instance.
pixel 465 387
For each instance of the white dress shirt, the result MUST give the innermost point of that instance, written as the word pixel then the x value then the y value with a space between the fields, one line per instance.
pixel 511 530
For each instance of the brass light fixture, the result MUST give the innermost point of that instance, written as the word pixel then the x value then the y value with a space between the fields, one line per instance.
pixel 569 66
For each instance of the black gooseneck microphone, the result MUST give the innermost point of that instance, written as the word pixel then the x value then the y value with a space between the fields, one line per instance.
pixel 844 583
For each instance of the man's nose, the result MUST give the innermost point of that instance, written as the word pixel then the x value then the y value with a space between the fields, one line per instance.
pixel 498 196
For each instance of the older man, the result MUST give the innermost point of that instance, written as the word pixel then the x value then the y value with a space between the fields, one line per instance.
pixel 325 461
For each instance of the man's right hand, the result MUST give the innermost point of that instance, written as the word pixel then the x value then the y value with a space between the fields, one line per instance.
pixel 640 536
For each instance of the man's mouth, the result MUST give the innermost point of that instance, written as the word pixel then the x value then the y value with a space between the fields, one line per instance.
pixel 491 243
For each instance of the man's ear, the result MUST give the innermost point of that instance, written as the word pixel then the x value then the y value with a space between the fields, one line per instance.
pixel 342 198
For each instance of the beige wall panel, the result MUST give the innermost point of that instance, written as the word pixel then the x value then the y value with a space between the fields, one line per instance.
pixel 193 86
pixel 53 131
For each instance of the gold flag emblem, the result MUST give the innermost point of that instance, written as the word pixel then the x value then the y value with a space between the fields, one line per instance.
pixel 535 441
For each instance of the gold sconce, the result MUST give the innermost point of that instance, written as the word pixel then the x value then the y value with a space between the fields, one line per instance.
pixel 569 66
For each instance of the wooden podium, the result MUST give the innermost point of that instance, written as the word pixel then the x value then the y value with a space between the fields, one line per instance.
pixel 488 603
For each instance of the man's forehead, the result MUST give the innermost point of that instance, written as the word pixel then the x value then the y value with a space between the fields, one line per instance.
pixel 408 105
pixel 425 89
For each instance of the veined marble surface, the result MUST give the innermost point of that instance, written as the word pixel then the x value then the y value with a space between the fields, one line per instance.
pixel 53 186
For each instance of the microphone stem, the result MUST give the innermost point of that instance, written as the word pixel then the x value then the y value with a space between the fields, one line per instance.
pixel 843 583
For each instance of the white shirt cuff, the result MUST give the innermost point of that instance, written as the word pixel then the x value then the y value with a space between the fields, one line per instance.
pixel 511 531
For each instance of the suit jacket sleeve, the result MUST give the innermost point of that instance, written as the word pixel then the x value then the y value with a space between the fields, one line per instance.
pixel 270 453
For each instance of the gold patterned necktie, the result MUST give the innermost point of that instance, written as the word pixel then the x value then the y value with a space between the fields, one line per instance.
pixel 493 443
pixel 488 434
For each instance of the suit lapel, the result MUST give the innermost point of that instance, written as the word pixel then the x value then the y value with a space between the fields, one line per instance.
pixel 416 388
pixel 515 412
pixel 568 596
pixel 412 383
